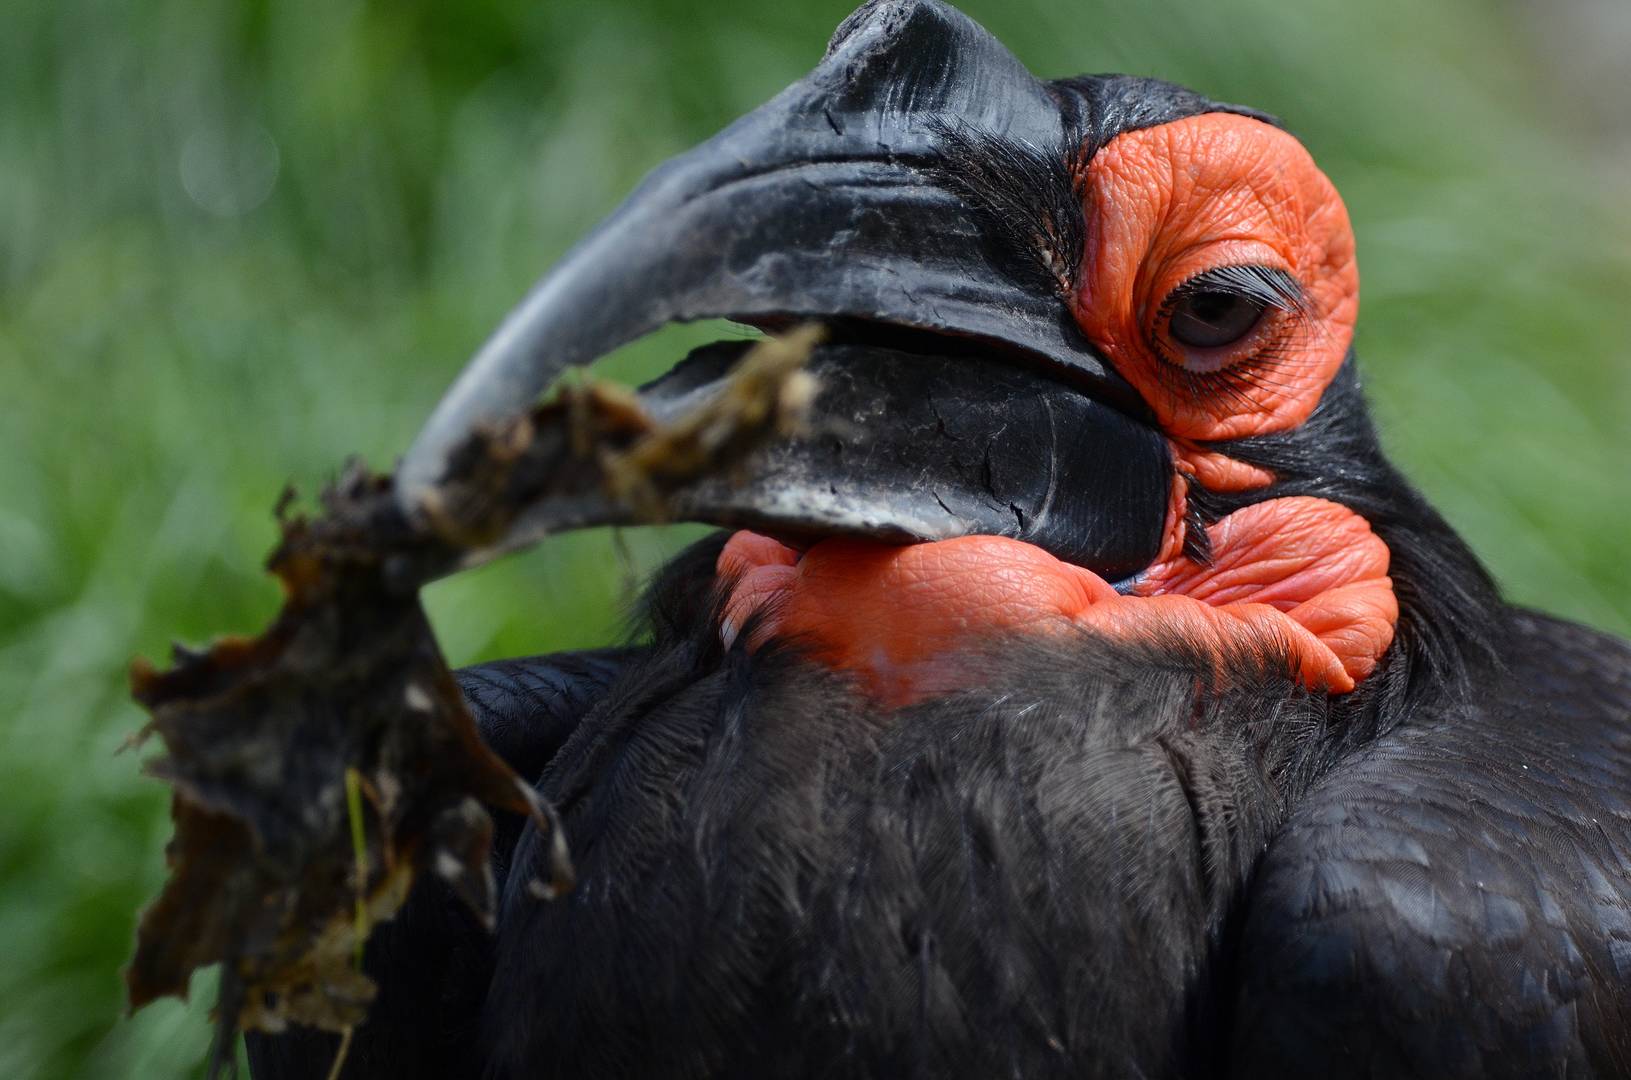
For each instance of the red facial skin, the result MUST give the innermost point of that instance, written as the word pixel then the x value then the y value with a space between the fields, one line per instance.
pixel 1298 579
pixel 1170 202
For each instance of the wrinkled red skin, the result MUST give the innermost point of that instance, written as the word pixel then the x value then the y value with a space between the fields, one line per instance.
pixel 1169 202
pixel 1300 575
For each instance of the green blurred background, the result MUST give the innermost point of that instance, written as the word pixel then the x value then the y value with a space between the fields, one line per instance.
pixel 240 241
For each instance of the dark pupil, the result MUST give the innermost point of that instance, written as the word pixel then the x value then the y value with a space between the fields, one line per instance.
pixel 1209 320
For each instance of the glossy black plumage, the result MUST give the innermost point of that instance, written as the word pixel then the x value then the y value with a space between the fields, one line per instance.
pixel 1095 865
pixel 1456 900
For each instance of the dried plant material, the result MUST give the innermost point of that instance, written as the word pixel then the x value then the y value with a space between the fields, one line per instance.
pixel 318 769
pixel 769 392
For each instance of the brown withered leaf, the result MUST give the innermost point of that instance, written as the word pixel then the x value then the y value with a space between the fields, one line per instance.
pixel 260 734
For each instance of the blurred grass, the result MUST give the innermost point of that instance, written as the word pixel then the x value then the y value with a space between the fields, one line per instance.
pixel 240 241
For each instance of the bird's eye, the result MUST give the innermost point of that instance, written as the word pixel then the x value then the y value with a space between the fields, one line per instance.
pixel 1206 319
pixel 1225 316
pixel 1217 273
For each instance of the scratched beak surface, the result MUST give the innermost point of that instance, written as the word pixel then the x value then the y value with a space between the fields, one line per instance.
pixel 827 202
pixel 956 394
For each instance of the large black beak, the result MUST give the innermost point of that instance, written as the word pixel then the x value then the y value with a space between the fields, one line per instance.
pixel 837 201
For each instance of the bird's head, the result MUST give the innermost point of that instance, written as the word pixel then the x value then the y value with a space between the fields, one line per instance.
pixel 1089 361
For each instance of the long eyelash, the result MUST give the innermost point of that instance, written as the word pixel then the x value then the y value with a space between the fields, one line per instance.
pixel 1267 285
pixel 1239 383
pixel 1028 198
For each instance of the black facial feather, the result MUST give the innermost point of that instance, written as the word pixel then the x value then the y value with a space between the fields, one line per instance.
pixel 1448 606
pixel 1197 544
pixel 1448 625
pixel 1097 108
pixel 1030 197
pixel 1027 199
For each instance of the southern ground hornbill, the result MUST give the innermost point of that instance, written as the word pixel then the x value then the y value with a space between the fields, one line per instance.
pixel 1084 693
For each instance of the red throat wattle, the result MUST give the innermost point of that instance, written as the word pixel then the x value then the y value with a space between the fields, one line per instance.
pixel 1300 577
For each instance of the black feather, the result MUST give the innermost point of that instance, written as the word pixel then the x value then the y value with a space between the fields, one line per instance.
pixel 1449 610
pixel 1026 197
